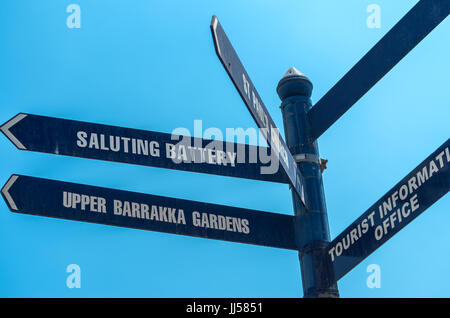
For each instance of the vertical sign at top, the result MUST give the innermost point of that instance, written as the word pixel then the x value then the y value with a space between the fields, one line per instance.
pixel 258 110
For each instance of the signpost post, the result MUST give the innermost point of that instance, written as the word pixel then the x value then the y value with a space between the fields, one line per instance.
pixel 311 225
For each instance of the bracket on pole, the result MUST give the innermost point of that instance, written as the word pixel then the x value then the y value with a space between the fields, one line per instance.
pixel 307 157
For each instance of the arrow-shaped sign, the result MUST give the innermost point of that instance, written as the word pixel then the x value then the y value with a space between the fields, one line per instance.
pixel 391 49
pixel 148 148
pixel 255 105
pixel 422 187
pixel 71 201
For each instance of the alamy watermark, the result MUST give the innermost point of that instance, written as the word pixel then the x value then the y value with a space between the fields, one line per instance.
pixel 231 149
pixel 74 279
pixel 374 279
pixel 374 19
pixel 73 21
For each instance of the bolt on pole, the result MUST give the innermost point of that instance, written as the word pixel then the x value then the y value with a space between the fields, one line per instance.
pixel 311 225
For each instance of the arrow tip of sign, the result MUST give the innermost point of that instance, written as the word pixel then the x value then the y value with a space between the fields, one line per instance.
pixel 7 126
pixel 214 23
pixel 214 20
pixel 5 191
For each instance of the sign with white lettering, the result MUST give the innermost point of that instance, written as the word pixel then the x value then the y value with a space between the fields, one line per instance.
pixel 422 187
pixel 148 148
pixel 255 105
pixel 71 201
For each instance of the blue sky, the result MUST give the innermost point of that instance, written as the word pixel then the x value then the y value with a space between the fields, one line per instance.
pixel 152 65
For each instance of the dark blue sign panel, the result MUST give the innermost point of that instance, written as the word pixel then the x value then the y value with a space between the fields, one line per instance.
pixel 393 47
pixel 422 187
pixel 148 148
pixel 255 105
pixel 85 203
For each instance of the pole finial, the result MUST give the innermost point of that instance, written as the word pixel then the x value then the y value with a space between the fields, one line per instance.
pixel 293 71
pixel 293 83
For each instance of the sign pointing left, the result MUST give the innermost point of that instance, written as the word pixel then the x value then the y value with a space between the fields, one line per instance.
pixel 95 141
pixel 78 202
pixel 6 128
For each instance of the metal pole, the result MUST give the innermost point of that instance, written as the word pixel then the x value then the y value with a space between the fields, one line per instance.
pixel 311 226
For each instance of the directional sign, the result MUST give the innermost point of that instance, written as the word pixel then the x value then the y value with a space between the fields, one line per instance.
pixel 255 105
pixel 36 196
pixel 426 184
pixel 394 46
pixel 148 148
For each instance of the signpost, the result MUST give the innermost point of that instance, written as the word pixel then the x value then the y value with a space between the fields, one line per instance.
pixel 78 202
pixel 255 105
pixel 422 187
pixel 323 262
pixel 134 146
